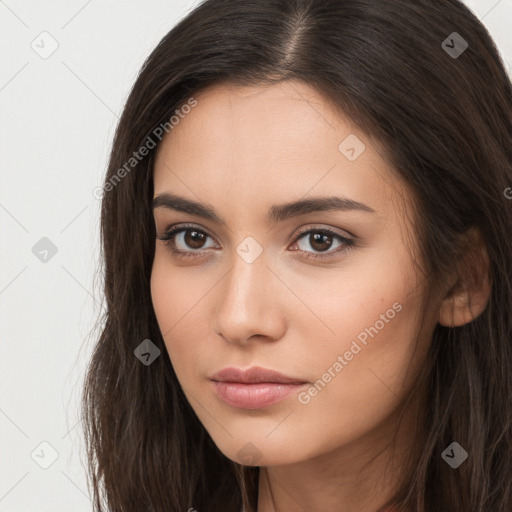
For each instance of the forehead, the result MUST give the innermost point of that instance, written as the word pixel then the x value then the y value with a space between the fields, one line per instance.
pixel 270 144
pixel 269 121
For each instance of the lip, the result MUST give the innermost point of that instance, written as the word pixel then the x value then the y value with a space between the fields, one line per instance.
pixel 254 375
pixel 253 388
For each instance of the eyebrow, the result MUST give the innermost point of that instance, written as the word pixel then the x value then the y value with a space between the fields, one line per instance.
pixel 276 213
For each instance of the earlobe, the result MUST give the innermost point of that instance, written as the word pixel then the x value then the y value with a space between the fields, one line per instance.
pixel 462 308
pixel 466 301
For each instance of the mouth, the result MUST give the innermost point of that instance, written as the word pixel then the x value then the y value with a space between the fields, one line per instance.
pixel 254 388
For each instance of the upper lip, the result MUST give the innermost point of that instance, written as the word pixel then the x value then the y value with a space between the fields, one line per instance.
pixel 253 375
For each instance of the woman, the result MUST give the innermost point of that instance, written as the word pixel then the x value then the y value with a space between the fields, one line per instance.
pixel 306 236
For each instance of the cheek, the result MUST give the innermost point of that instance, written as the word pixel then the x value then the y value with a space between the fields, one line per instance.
pixel 359 303
pixel 162 294
pixel 371 316
pixel 167 304
pixel 360 383
pixel 176 297
pixel 175 291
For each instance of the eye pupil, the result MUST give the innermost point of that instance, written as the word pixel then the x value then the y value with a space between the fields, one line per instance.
pixel 194 239
pixel 319 238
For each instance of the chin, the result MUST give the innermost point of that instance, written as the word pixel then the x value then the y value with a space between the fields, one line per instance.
pixel 262 452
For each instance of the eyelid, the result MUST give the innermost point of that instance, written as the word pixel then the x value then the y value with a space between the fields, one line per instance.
pixel 303 230
pixel 316 227
pixel 176 228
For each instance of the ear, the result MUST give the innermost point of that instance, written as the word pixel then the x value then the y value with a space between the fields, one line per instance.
pixel 468 296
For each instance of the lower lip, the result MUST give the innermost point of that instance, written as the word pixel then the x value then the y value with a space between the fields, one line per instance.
pixel 254 396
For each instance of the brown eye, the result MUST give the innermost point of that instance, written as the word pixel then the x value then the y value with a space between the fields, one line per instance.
pixel 320 241
pixel 193 238
pixel 186 241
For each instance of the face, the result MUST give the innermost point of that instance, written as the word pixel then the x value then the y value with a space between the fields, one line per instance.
pixel 324 293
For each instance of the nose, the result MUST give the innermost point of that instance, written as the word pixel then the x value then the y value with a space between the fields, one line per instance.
pixel 251 303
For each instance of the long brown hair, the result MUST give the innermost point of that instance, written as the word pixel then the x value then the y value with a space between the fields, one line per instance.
pixel 441 106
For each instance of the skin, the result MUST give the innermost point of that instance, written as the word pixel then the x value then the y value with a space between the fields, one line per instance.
pixel 242 150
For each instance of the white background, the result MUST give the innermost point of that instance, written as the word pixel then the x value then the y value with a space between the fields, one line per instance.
pixel 58 118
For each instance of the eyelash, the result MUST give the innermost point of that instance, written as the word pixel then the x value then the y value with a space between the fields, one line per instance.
pixel 169 235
